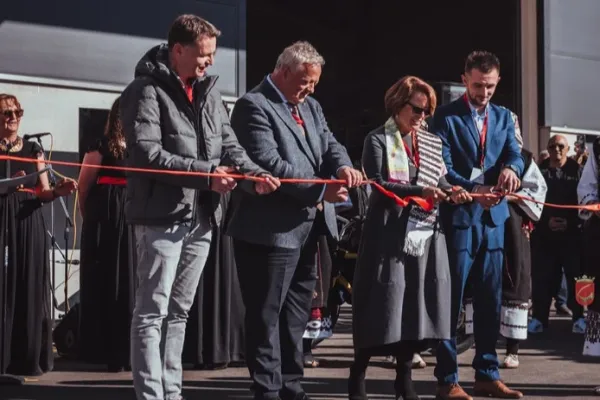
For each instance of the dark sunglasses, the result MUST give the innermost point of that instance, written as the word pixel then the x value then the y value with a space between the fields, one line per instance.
pixel 559 145
pixel 418 110
pixel 10 113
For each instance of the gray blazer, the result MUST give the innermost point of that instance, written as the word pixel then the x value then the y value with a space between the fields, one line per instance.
pixel 265 127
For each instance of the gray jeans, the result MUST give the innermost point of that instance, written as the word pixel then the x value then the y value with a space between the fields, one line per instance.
pixel 170 263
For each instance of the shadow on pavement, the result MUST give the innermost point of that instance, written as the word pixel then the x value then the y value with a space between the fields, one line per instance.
pixel 227 388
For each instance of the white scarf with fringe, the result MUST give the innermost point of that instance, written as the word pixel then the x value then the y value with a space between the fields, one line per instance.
pixel 431 168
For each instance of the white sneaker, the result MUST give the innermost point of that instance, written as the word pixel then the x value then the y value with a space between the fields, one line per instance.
pixel 418 362
pixel 579 326
pixel 535 326
pixel 511 361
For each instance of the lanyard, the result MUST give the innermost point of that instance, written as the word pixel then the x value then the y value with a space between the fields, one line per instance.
pixel 482 134
pixel 414 159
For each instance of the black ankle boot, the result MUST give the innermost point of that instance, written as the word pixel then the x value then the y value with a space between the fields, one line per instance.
pixel 357 388
pixel 405 389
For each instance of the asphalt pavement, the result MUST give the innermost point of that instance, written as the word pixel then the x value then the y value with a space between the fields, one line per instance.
pixel 551 368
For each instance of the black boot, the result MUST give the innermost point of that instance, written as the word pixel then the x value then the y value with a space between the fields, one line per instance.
pixel 405 389
pixel 357 388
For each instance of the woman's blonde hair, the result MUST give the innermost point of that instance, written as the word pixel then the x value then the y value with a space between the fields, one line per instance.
pixel 9 98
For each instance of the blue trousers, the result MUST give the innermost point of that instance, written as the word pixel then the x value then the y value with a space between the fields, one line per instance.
pixel 476 253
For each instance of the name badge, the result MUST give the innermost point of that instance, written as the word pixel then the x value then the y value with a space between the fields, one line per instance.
pixel 477 176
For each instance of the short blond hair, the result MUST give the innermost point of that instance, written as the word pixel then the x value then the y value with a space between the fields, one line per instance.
pixel 298 54
pixel 10 99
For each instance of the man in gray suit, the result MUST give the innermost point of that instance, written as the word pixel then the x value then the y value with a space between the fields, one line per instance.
pixel 284 131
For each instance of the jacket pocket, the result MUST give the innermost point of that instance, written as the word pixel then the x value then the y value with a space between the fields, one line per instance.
pixel 211 134
pixel 169 201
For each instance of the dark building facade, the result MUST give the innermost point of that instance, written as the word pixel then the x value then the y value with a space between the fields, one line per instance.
pixel 67 60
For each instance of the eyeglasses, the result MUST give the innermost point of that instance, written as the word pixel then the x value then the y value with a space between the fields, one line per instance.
pixel 559 145
pixel 9 113
pixel 418 110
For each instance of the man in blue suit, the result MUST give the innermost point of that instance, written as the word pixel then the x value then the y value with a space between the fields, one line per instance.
pixel 482 156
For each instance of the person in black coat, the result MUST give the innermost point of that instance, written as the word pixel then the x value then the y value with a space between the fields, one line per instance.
pixel 107 274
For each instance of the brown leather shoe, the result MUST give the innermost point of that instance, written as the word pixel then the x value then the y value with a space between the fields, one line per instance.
pixel 495 389
pixel 452 392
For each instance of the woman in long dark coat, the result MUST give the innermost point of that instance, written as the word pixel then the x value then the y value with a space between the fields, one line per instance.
pixel 25 305
pixel 214 336
pixel 107 274
pixel 402 291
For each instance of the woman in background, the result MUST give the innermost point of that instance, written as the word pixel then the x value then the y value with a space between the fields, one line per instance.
pixel 214 334
pixel 26 333
pixel 107 270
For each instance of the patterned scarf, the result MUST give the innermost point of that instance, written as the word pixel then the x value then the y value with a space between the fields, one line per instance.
pixel 431 168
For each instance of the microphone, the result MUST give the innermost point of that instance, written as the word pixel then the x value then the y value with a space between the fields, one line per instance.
pixel 35 135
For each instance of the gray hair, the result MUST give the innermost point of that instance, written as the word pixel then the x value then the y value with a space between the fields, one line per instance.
pixel 297 54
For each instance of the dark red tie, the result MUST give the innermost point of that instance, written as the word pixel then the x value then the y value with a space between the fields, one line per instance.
pixel 296 114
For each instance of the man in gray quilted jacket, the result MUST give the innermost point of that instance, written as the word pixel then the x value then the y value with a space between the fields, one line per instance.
pixel 174 119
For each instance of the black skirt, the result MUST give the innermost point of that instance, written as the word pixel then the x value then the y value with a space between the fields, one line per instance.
pixel 214 334
pixel 107 279
pixel 26 332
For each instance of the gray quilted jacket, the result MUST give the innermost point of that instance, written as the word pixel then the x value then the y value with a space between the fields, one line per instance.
pixel 165 131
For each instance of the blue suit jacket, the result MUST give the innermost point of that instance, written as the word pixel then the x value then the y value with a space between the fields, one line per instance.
pixel 462 152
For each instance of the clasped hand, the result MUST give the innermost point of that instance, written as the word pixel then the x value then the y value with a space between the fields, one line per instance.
pixel 63 187
pixel 224 184
pixel 458 195
pixel 337 192
pixel 508 183
pixel 434 194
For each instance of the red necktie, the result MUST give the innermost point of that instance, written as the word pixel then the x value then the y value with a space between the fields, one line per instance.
pixel 189 90
pixel 296 114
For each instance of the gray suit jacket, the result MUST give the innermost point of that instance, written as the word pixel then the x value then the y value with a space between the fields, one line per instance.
pixel 265 127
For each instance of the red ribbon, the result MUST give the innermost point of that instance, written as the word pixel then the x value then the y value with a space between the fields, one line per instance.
pixel 426 204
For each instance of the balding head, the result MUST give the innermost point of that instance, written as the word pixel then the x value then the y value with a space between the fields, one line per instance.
pixel 558 148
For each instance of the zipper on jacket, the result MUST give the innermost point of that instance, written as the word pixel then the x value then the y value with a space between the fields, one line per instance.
pixel 197 106
pixel 195 109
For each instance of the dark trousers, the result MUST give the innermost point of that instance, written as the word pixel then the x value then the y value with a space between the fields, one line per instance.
pixel 476 253
pixel 277 286
pixel 561 296
pixel 551 253
pixel 403 351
